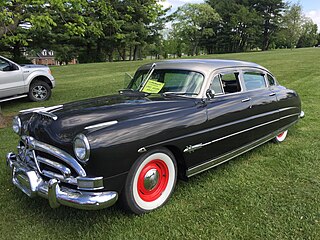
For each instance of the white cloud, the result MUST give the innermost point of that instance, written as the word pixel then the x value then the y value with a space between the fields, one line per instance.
pixel 177 3
pixel 315 16
pixel 165 4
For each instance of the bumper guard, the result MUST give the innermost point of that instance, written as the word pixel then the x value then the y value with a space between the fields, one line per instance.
pixel 31 183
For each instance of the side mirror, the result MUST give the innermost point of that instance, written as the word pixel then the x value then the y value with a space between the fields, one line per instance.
pixel 210 94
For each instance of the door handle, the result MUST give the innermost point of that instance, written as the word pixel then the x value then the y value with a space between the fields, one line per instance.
pixel 272 94
pixel 246 100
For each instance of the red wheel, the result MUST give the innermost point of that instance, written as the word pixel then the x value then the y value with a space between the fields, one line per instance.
pixel 150 181
pixel 281 137
pixel 153 180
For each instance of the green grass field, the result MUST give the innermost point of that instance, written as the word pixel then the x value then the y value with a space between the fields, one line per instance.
pixel 272 192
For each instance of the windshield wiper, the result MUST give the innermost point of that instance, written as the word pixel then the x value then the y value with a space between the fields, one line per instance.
pixel 131 92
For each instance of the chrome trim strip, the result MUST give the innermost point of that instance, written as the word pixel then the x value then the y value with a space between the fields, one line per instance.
pixel 56 152
pixel 142 150
pixel 71 180
pixel 228 156
pixel 42 109
pixel 12 98
pixel 99 125
pixel 53 108
pixel 192 148
pixel 31 110
pixel 90 184
pixel 60 167
pixel 221 126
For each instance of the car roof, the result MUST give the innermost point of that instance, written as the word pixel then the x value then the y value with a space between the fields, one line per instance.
pixel 202 65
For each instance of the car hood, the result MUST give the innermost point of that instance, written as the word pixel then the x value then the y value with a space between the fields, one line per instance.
pixel 73 118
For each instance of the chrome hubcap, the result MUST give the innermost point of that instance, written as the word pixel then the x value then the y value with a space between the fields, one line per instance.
pixel 39 92
pixel 151 179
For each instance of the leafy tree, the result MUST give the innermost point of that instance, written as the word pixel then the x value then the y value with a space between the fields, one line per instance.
pixel 292 24
pixel 193 23
pixel 271 13
pixel 238 30
pixel 309 36
pixel 23 17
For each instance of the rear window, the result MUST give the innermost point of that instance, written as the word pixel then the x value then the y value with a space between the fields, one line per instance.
pixel 271 80
pixel 254 80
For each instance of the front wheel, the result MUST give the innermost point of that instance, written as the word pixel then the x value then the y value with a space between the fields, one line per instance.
pixel 281 137
pixel 39 91
pixel 150 181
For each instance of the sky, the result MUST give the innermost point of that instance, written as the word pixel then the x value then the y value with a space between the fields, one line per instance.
pixel 311 8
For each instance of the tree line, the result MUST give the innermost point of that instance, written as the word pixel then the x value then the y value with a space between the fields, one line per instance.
pixel 95 31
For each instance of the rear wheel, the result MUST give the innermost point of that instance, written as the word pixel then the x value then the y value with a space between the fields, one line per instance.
pixel 39 91
pixel 281 137
pixel 150 182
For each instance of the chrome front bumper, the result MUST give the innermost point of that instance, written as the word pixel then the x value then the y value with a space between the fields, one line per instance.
pixel 31 183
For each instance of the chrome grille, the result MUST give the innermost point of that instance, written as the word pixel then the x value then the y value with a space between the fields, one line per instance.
pixel 49 161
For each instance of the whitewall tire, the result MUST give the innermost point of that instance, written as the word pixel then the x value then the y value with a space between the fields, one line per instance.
pixel 281 137
pixel 150 181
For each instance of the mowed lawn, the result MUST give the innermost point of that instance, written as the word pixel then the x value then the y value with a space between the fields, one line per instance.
pixel 272 192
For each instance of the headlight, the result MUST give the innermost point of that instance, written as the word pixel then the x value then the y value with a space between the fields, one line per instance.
pixel 81 148
pixel 16 125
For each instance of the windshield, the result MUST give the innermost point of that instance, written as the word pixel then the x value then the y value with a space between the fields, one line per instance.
pixel 181 82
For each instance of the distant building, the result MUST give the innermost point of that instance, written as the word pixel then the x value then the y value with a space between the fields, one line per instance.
pixel 46 57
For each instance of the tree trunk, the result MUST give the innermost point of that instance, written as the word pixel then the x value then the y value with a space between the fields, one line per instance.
pixel 266 36
pixel 135 53
pixel 130 54
pixel 16 52
pixel 110 56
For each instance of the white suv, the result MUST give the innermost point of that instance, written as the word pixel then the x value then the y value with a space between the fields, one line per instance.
pixel 17 81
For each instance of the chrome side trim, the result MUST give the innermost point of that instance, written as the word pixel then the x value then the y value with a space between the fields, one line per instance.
pixel 56 152
pixel 226 157
pixel 224 125
pixel 193 148
pixel 142 150
pixel 105 124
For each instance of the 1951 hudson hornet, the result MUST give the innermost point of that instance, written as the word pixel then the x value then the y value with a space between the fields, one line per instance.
pixel 176 118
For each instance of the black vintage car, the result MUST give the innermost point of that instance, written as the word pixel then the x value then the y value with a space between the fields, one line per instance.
pixel 176 118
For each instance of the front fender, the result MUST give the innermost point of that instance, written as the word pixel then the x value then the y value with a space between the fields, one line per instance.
pixel 38 74
pixel 115 148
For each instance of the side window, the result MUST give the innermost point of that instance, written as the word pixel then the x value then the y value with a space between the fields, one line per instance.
pixel 216 85
pixel 254 80
pixel 271 80
pixel 230 82
pixel 4 65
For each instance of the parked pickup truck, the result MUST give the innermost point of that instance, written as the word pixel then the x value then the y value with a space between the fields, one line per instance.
pixel 17 81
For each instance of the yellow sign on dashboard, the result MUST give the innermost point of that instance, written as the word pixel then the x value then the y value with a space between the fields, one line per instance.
pixel 153 86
